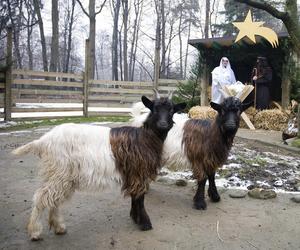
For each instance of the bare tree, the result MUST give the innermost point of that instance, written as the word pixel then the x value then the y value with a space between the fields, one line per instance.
pixel 15 10
pixel 92 33
pixel 37 8
pixel 207 18
pixel 30 21
pixel 163 39
pixel 68 25
pixel 116 11
pixel 157 43
pixel 54 59
pixel 138 8
pixel 125 43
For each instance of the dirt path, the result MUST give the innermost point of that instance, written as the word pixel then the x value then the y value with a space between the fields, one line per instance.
pixel 101 221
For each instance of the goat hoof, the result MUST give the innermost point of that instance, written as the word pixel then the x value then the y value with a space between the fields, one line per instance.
pixel 200 205
pixel 36 238
pixel 214 196
pixel 146 227
pixel 61 231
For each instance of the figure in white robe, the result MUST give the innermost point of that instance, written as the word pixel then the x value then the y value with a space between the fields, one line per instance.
pixel 221 75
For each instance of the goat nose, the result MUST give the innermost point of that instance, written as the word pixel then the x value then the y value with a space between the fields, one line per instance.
pixel 230 126
pixel 163 124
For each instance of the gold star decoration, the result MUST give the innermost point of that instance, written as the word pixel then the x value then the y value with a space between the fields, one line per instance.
pixel 249 29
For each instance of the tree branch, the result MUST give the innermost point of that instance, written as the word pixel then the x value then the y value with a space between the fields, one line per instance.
pixel 266 7
pixel 81 6
pixel 146 70
pixel 101 7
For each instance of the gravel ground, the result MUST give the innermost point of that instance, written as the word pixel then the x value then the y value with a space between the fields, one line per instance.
pixel 101 221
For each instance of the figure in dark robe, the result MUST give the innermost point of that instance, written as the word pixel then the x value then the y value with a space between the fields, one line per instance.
pixel 262 78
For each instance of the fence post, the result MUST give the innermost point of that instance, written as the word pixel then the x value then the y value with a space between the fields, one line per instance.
pixel 86 80
pixel 8 76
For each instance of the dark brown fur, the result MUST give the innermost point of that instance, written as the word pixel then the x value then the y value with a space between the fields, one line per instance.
pixel 205 147
pixel 137 153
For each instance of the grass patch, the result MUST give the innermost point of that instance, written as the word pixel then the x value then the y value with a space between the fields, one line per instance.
pixel 53 122
pixel 296 143
pixel 254 161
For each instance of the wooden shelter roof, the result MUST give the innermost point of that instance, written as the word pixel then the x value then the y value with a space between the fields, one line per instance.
pixel 226 41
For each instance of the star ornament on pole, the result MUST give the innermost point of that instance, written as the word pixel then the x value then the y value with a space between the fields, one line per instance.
pixel 250 29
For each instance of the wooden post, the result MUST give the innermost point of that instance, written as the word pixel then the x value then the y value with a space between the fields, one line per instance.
pixel 86 77
pixel 203 86
pixel 8 76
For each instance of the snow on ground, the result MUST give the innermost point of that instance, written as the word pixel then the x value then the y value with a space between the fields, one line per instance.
pixel 59 105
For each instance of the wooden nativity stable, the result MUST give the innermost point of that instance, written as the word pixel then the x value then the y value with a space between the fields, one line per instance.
pixel 242 56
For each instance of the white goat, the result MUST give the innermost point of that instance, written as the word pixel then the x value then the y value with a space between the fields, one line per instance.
pixel 86 157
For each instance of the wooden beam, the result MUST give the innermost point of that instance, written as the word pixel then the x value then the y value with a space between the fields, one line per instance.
pixel 46 74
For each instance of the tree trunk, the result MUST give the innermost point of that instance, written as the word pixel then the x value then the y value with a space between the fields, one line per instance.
pixel 43 41
pixel 187 50
pixel 69 48
pixel 170 49
pixel 163 39
pixel 180 45
pixel 120 55
pixel 29 23
pixel 16 25
pixel 125 22
pixel 54 41
pixel 207 17
pixel 92 38
pixel 115 41
pixel 136 26
pixel 157 46
pixel 29 50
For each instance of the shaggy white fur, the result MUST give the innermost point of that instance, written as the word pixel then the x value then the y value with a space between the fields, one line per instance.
pixel 73 157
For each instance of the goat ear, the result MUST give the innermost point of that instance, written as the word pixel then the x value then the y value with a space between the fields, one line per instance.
pixel 216 106
pixel 246 105
pixel 148 103
pixel 179 107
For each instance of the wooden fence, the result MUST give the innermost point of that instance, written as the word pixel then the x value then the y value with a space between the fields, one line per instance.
pixel 40 89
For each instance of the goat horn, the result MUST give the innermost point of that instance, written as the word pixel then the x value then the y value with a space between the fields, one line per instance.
pixel 157 96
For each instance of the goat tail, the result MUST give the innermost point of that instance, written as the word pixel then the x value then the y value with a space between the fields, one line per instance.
pixel 139 114
pixel 31 147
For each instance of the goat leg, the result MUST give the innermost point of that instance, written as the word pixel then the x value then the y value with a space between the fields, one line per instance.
pixel 212 189
pixel 134 210
pixel 144 220
pixel 199 202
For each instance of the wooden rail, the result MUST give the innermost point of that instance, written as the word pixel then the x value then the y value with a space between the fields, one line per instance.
pixel 38 87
